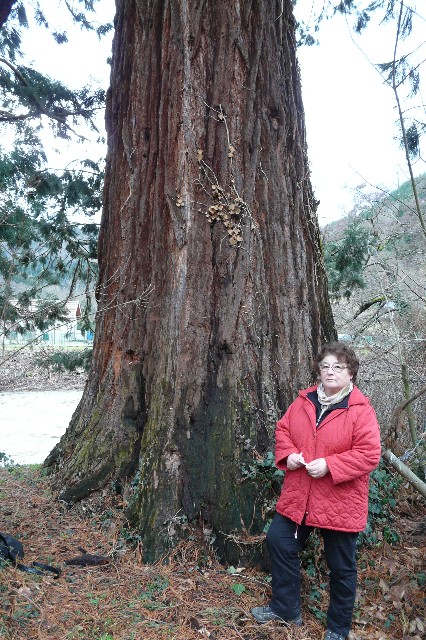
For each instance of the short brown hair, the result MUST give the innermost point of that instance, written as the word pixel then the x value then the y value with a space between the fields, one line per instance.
pixel 343 353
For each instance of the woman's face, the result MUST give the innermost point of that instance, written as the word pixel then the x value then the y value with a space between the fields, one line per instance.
pixel 334 380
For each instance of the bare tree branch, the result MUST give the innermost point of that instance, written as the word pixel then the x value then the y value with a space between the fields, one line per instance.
pixel 405 472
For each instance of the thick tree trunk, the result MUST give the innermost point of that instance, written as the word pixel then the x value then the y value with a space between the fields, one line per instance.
pixel 212 294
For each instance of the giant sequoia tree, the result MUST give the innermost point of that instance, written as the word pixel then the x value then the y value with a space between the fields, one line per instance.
pixel 212 296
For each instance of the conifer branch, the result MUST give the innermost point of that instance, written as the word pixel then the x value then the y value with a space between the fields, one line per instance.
pixel 39 110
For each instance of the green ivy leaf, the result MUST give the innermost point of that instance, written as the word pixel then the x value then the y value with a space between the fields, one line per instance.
pixel 238 588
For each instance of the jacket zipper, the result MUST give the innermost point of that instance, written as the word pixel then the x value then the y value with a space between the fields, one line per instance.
pixel 331 412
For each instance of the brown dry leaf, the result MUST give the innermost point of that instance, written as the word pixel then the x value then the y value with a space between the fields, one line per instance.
pixel 383 586
pixel 414 551
pixel 380 615
pixel 416 625
pixel 397 592
pixel 390 564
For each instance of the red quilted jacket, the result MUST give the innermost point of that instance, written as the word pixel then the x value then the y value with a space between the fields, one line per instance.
pixel 349 440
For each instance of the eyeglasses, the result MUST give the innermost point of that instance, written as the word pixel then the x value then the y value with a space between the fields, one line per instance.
pixel 337 368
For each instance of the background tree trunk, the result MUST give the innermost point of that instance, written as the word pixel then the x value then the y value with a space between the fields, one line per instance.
pixel 5 9
pixel 205 330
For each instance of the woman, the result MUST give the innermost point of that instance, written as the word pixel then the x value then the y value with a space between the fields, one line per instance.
pixel 328 442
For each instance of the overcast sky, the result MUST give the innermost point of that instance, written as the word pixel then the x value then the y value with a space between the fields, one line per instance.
pixel 350 113
pixel 80 61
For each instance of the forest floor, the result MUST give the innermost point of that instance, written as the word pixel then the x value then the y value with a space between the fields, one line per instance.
pixel 189 596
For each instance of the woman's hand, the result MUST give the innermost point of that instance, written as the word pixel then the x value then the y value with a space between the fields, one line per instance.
pixel 295 461
pixel 317 468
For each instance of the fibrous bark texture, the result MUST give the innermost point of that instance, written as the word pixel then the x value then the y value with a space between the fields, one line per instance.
pixel 212 295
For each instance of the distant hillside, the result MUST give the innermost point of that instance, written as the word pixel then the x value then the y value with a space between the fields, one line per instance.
pixel 380 248
pixel 389 224
pixel 391 213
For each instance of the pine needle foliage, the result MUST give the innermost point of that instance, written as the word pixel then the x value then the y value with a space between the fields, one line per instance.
pixel 345 260
pixel 41 244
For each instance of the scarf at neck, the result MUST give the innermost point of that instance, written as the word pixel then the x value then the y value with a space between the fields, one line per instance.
pixel 326 401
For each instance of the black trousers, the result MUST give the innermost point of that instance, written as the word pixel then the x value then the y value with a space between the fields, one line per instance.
pixel 285 540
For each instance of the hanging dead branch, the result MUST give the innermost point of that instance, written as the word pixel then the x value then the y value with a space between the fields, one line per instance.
pixel 405 472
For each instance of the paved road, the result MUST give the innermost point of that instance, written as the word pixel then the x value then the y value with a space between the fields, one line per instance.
pixel 32 422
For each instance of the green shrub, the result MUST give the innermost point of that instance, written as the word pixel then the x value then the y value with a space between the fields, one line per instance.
pixel 66 360
pixel 5 460
pixel 263 470
pixel 384 486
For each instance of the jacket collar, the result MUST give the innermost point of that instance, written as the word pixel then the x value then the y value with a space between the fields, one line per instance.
pixel 356 396
pixel 343 404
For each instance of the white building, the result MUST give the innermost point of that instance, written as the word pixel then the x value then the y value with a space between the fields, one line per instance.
pixel 62 333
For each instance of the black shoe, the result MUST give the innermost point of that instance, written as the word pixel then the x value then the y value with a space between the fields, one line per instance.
pixel 332 635
pixel 265 614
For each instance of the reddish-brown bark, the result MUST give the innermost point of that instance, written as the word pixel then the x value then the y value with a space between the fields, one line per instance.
pixel 200 344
